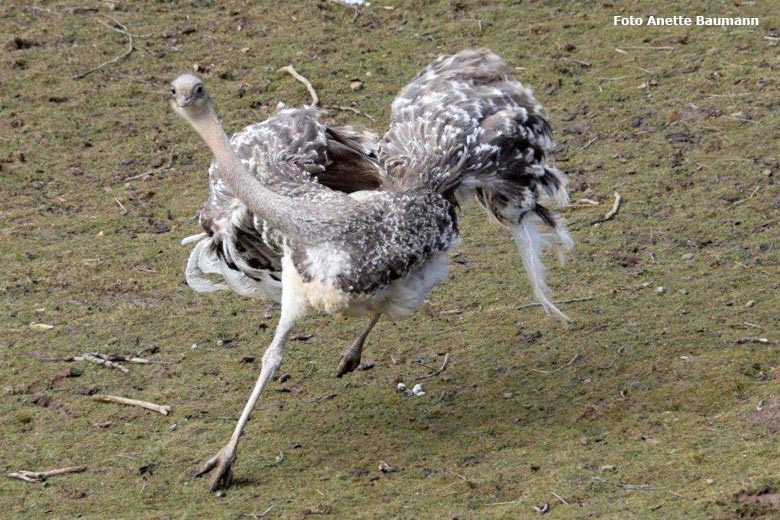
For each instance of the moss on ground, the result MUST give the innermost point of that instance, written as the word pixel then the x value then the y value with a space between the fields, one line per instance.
pixel 645 407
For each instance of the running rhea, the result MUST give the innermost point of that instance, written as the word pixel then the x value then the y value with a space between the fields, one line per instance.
pixel 238 250
pixel 462 127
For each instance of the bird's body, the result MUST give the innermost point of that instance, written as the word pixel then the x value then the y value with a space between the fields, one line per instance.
pixel 462 127
pixel 240 248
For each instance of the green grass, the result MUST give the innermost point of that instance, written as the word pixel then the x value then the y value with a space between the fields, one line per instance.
pixel 659 388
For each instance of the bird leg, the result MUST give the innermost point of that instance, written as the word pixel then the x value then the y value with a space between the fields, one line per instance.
pixel 350 357
pixel 223 461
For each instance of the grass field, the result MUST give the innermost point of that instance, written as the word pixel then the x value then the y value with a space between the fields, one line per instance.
pixel 648 406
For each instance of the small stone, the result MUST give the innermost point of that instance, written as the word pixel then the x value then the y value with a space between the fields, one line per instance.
pixel 584 440
pixel 660 290
pixel 683 291
pixel 417 390
pixel 384 467
pixel 284 377
pixel 355 84
pixel 508 395
pixel 608 468
pixel 687 256
pixel 750 303
pixel 401 387
pixel 194 346
pixel 709 481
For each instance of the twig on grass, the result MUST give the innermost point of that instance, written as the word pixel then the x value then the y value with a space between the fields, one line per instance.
pixel 166 167
pixel 67 10
pixel 107 361
pixel 586 145
pixel 556 495
pixel 163 409
pixel 505 503
pixel 610 215
pixel 584 203
pixel 40 476
pixel 279 458
pixel 439 370
pixel 99 360
pixel 124 209
pixel 752 194
pixel 350 109
pixel 569 363
pixel 130 47
pixel 261 515
pixel 560 302
pixel 630 487
pixel 647 48
pixel 315 99
pixel 753 339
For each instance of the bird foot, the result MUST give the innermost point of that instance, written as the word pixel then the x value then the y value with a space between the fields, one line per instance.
pixel 222 463
pixel 348 362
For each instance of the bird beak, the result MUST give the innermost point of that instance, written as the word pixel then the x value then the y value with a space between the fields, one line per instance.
pixel 182 101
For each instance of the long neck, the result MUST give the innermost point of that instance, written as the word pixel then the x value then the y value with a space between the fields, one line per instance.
pixel 293 219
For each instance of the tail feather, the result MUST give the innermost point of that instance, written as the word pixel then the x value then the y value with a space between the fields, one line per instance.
pixel 531 242
pixel 204 261
pixel 200 263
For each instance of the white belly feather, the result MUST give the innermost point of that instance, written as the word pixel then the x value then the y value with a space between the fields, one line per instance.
pixel 398 300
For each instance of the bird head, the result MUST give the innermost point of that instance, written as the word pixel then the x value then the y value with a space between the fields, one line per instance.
pixel 188 96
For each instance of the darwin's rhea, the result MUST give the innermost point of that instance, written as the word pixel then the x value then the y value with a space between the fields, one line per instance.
pixel 241 252
pixel 463 126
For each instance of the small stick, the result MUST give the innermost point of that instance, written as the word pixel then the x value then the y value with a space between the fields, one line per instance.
pixel 556 495
pixel 758 187
pixel 440 369
pixel 504 503
pixel 168 166
pixel 261 515
pixel 589 143
pixel 279 458
pixel 163 409
pixel 130 48
pixel 585 203
pixel 617 78
pixel 350 109
pixel 124 209
pixel 41 476
pixel 315 99
pixel 572 360
pixel 611 212
pixel 753 339
pixel 662 48
pixel 120 357
pixel 561 302
pixel 97 359
pixel 464 479
pixel 631 487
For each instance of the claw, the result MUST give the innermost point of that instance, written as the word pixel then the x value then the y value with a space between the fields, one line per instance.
pixel 223 463
pixel 347 364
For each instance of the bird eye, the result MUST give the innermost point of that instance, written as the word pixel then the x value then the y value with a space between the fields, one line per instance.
pixel 199 89
pixel 173 90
